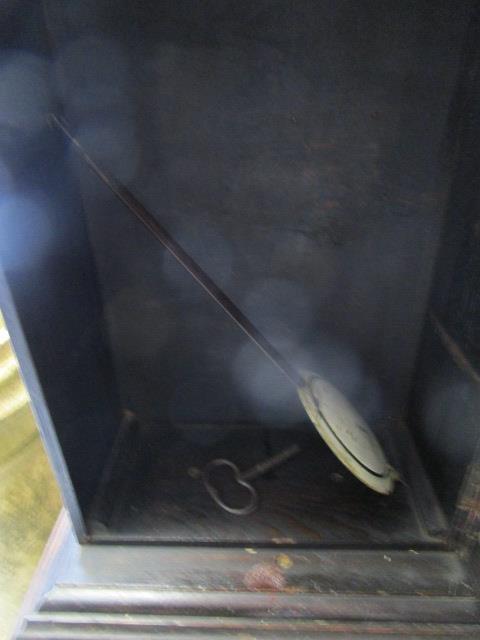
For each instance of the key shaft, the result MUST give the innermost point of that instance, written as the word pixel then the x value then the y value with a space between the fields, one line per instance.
pixel 270 463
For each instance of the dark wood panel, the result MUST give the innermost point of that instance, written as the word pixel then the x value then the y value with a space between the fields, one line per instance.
pixel 445 399
pixel 93 591
pixel 311 499
pixel 267 604
pixel 294 148
pixel 322 571
pixel 165 628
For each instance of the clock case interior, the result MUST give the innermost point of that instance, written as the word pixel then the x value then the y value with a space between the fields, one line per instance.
pixel 316 159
